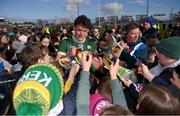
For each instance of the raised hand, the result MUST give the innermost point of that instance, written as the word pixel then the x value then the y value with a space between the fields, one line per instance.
pixel 86 61
pixel 143 70
pixel 97 62
pixel 126 81
pixel 113 69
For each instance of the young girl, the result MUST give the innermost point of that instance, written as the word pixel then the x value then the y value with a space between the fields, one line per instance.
pixel 163 103
pixel 83 97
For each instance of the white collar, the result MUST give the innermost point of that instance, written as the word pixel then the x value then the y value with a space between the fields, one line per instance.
pixel 74 38
pixel 174 64
pixel 158 68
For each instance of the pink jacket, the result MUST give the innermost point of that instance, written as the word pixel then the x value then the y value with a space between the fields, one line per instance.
pixel 97 102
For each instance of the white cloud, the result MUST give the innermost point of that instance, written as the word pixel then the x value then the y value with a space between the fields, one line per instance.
pixel 70 7
pixel 112 7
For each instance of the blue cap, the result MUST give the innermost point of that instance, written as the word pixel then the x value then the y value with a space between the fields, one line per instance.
pixel 150 20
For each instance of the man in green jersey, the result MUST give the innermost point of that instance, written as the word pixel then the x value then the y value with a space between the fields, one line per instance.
pixel 80 40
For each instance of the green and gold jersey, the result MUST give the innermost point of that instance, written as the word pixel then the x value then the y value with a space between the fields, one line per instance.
pixel 67 44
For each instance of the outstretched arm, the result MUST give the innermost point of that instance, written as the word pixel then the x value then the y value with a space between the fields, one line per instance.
pixel 83 96
pixel 72 73
pixel 116 85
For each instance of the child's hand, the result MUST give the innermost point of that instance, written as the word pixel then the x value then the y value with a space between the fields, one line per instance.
pixel 113 69
pixel 126 81
pixel 86 61
pixel 97 62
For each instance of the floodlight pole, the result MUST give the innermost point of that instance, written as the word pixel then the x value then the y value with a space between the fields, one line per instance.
pixel 147 8
pixel 99 13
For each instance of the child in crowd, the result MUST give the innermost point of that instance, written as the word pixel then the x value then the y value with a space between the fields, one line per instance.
pixel 156 100
pixel 176 77
pixel 83 95
pixel 115 110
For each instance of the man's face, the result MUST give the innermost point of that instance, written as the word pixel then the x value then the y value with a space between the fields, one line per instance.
pixel 133 35
pixel 81 32
pixel 162 59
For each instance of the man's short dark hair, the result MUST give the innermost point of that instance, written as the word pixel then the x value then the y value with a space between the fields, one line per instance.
pixel 130 27
pixel 83 21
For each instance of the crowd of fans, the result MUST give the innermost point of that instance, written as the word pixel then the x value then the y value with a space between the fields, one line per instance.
pixel 75 71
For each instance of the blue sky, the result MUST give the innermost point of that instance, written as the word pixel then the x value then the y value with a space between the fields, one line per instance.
pixel 48 9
